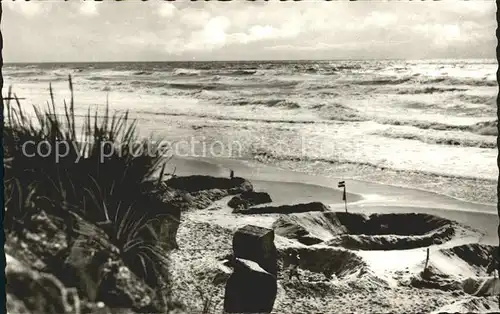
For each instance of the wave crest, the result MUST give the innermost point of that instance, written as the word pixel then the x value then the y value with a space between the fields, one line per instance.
pixel 284 103
pixel 186 72
pixel 443 140
pixel 429 90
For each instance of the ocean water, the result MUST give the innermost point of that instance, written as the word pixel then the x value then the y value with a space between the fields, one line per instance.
pixel 428 116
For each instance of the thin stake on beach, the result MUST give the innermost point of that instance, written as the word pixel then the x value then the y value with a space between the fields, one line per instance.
pixel 427 259
pixel 344 195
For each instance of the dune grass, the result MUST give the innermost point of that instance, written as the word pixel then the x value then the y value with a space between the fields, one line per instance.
pixel 101 177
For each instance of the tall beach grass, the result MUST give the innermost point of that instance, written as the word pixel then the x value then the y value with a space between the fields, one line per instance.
pixel 107 185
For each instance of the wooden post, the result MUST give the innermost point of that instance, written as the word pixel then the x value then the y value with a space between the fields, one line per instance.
pixel 344 195
pixel 427 260
pixel 345 200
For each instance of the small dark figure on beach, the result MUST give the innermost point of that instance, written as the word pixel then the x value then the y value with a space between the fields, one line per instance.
pixel 294 266
pixel 231 174
pixel 493 265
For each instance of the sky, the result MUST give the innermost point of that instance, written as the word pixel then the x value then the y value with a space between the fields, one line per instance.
pixel 155 30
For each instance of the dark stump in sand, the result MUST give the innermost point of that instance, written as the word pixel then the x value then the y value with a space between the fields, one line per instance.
pixel 249 289
pixel 249 198
pixel 284 209
pixel 256 244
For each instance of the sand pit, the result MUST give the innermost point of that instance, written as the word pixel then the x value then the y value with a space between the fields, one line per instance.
pixel 328 261
pixel 393 242
pixel 469 261
pixel 482 286
pixel 374 232
pixel 473 257
pixel 461 267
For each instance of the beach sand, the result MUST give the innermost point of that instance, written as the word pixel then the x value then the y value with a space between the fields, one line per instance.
pixel 206 235
pixel 290 187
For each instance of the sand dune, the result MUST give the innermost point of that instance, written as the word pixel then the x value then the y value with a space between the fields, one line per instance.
pixel 471 305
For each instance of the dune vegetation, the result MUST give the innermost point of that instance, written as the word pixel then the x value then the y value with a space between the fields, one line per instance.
pixel 111 200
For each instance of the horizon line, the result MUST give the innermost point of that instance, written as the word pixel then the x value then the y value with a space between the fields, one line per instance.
pixel 248 60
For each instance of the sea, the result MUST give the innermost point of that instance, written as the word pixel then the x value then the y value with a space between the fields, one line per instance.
pixel 412 116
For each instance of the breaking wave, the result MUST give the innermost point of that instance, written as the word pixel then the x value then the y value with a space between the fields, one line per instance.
pixel 461 81
pixel 478 99
pixel 283 103
pixel 186 72
pixel 237 73
pixel 481 128
pixel 201 86
pixel 487 142
pixel 24 73
pixel 338 112
pixel 394 81
pixel 143 73
pixel 429 90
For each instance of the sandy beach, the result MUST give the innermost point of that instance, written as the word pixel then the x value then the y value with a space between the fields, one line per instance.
pixel 390 271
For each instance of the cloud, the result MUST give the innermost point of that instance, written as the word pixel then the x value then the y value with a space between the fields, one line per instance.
pixel 89 8
pixel 160 30
pixel 261 32
pixel 255 33
pixel 443 34
pixel 193 18
pixel 380 19
pixel 28 9
pixel 321 46
pixel 166 9
pixel 212 36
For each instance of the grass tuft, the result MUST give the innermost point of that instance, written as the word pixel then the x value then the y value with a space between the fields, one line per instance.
pixel 101 177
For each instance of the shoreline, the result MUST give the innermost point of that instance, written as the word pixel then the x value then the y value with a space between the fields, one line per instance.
pixel 257 171
pixel 379 176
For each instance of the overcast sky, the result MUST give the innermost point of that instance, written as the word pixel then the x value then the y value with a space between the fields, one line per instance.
pixel 241 30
